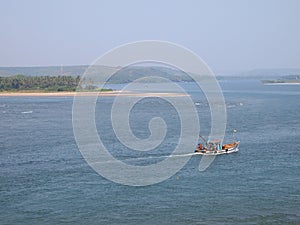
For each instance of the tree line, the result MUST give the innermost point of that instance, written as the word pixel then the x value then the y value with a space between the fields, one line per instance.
pixel 43 83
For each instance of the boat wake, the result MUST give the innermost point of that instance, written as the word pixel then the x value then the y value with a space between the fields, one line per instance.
pixel 150 158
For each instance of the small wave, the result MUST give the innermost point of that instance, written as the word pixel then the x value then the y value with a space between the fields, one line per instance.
pixel 232 105
pixel 26 112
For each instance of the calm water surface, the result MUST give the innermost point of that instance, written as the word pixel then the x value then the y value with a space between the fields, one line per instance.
pixel 45 180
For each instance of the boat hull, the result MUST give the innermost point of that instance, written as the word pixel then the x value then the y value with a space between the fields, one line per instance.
pixel 218 152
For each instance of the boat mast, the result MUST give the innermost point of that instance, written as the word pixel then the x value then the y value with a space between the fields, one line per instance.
pixel 203 139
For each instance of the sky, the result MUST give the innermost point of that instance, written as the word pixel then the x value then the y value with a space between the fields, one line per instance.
pixel 229 35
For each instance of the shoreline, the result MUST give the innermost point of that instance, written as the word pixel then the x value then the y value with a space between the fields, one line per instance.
pixel 87 94
pixel 283 83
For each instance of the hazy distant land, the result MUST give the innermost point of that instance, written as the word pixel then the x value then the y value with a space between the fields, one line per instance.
pixel 285 80
pixel 66 78
pixel 71 85
pixel 129 73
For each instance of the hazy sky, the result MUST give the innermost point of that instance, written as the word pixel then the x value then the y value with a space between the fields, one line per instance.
pixel 230 35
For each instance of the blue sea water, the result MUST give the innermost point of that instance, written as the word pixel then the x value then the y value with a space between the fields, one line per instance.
pixel 45 180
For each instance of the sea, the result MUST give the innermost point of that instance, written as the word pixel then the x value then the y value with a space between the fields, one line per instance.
pixel 44 179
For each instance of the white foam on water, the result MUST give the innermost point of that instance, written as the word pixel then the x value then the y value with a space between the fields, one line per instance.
pixel 26 112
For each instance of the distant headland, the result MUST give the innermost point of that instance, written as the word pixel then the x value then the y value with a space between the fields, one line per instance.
pixel 285 80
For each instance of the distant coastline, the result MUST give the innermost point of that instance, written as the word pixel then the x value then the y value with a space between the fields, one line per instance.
pixel 50 94
pixel 285 80
pixel 100 94
pixel 63 86
pixel 281 82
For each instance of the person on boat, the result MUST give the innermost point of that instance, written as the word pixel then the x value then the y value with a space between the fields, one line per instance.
pixel 200 146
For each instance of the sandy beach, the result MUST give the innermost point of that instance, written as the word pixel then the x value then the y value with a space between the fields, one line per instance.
pixel 100 94
pixel 283 83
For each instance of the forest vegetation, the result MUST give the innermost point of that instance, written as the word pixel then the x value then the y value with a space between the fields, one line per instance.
pixel 44 84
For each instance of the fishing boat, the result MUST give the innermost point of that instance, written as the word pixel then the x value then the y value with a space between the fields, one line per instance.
pixel 216 147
